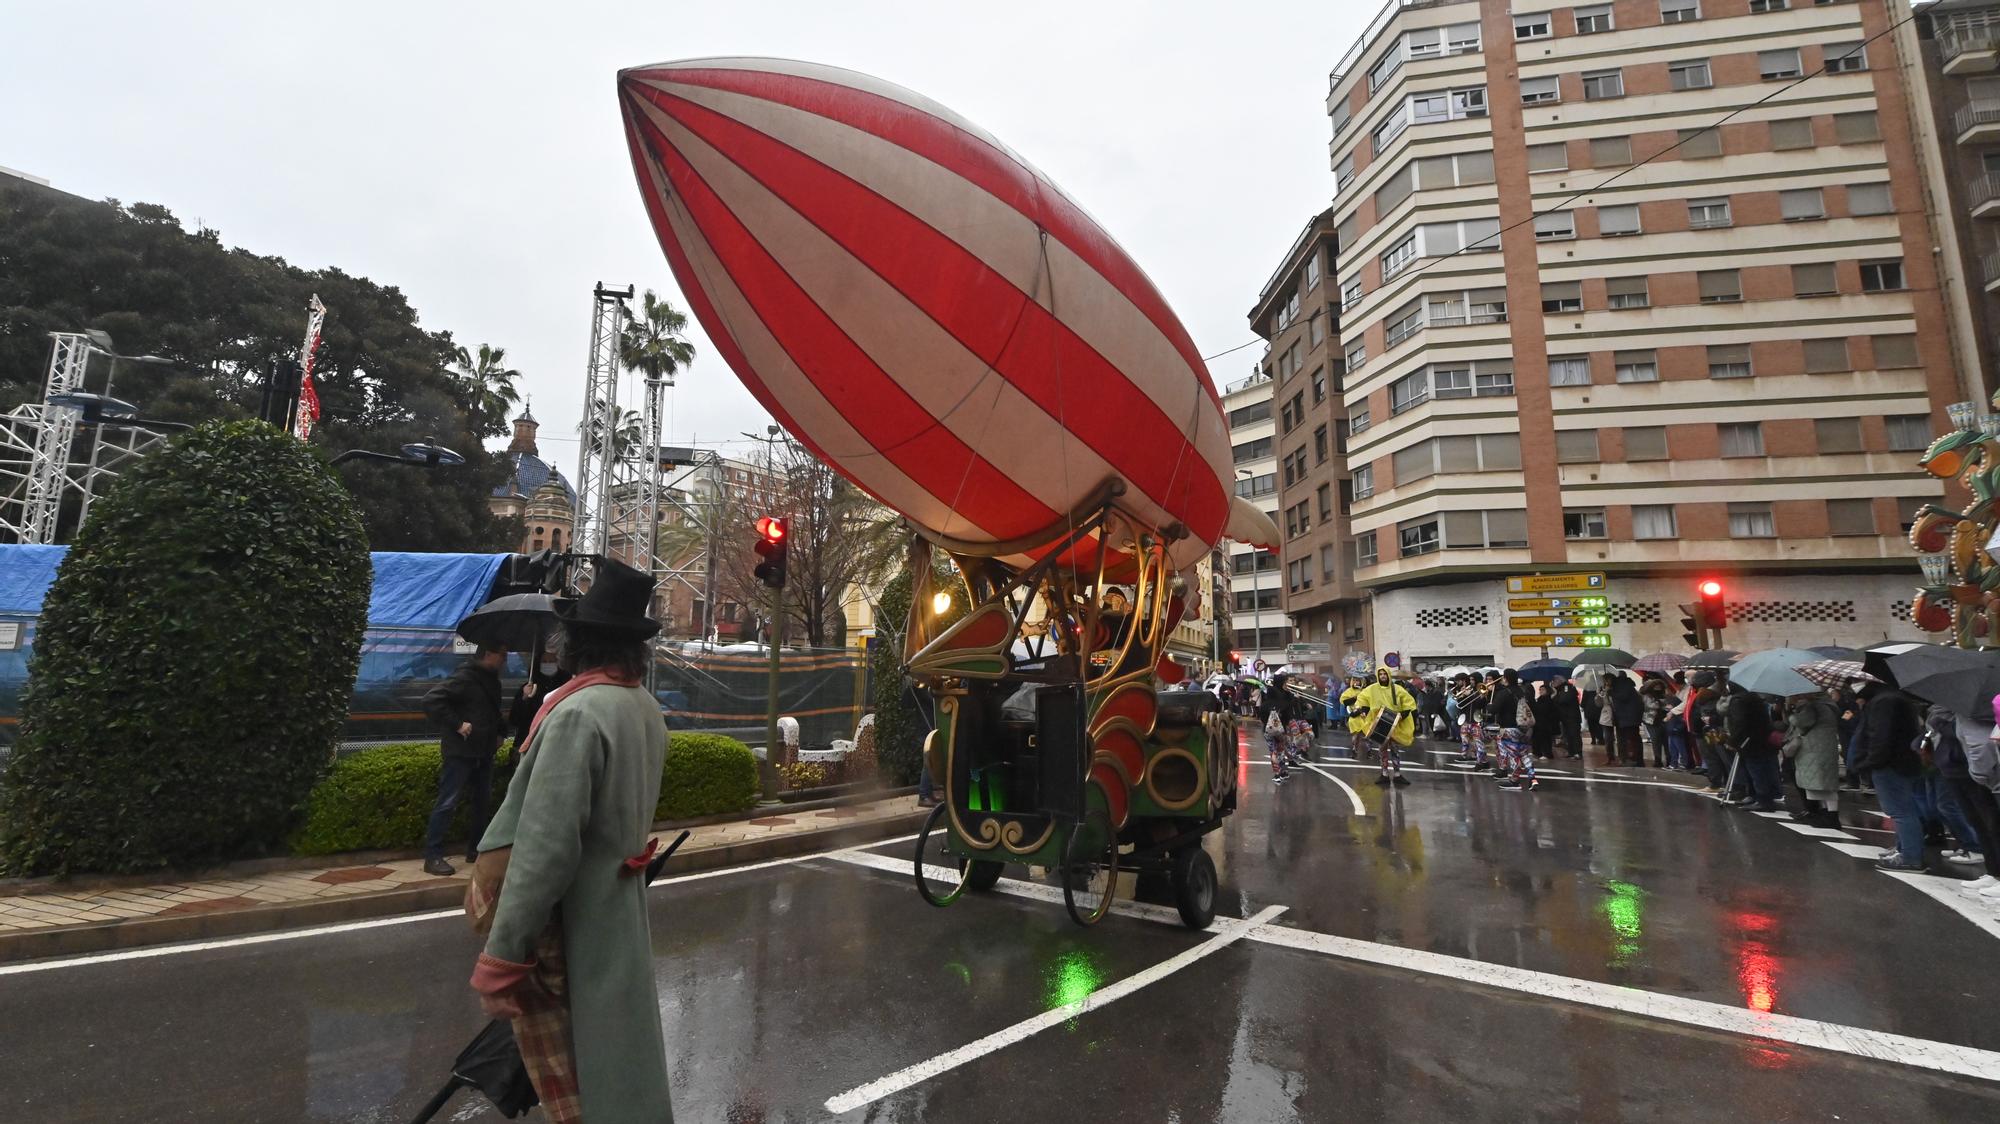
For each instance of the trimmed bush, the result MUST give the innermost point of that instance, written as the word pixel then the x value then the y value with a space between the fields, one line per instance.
pixel 706 775
pixel 193 662
pixel 380 799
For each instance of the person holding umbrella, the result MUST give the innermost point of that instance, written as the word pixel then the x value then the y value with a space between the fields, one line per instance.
pixel 543 680
pixel 1888 731
pixel 1746 723
pixel 569 955
pixel 466 708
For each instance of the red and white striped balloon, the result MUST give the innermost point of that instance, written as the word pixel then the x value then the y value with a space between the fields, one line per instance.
pixel 921 307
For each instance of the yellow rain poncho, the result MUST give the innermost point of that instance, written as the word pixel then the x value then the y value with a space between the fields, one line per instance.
pixel 1357 722
pixel 1391 696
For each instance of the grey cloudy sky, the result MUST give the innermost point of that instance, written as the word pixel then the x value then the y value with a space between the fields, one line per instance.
pixel 471 154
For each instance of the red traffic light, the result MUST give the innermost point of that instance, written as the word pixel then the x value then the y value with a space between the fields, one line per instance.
pixel 770 527
pixel 1711 588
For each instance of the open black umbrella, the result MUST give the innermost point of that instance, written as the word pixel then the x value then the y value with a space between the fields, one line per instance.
pixel 1836 652
pixel 1963 682
pixel 1717 660
pixel 491 1062
pixel 1875 660
pixel 518 622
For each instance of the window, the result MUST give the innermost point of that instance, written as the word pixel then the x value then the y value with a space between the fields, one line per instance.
pixel 1312 270
pixel 1447 105
pixel 1417 538
pixel 1485 378
pixel 1636 366
pixel 1391 127
pixel 1654 521
pixel 1473 235
pixel 1844 58
pixel 1689 74
pixel 1751 521
pixel 1319 382
pixel 1615 222
pixel 1837 435
pixel 1868 199
pixel 1298 519
pixel 1358 421
pixel 1594 19
pixel 1881 276
pixel 1646 443
pixel 1719 286
pixel 1467 306
pixel 1601 84
pixel 1697 143
pixel 1461 38
pixel 1357 355
pixel 1318 327
pixel 1795 132
pixel 1364 481
pixel 1327 565
pixel 1390 62
pixel 1562 296
pixel 1403 323
pixel 1473 529
pixel 1850 517
pixel 1814 279
pixel 1679 11
pixel 1341 115
pixel 1827 355
pixel 1908 433
pixel 1569 370
pixel 1250 600
pixel 1396 257
pixel 1783 63
pixel 1485 452
pixel 1364 550
pixel 1856 128
pixel 1767 5
pixel 1455 171
pixel 1319 445
pixel 1348 230
pixel 1576 446
pixel 1408 392
pixel 1554 226
pixel 1548 157
pixel 1325 502
pixel 1254 412
pixel 1253 450
pixel 1708 214
pixel 1906 511
pixel 1254 487
pixel 1539 91
pixel 1296 575
pixel 1350 294
pixel 1895 351
pixel 1741 439
pixel 1343 172
pixel 1610 152
pixel 1625 292
pixel 1729 361
pixel 1801 204
pixel 1584 523
pixel 1532 25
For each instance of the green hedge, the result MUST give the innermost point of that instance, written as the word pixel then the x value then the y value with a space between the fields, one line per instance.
pixel 380 798
pixel 706 775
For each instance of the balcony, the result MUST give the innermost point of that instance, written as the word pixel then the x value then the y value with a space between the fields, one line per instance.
pixel 1969 50
pixel 1978 122
pixel 1984 195
pixel 1989 268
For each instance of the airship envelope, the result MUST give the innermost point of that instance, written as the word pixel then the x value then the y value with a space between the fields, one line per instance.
pixel 924 309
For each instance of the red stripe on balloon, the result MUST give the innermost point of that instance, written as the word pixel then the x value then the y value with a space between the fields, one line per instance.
pixel 1038 354
pixel 879 409
pixel 965 154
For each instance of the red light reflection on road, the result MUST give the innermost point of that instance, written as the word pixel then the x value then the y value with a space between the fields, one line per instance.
pixel 1756 968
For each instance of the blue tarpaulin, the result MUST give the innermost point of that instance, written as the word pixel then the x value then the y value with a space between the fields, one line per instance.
pixel 429 590
pixel 26 572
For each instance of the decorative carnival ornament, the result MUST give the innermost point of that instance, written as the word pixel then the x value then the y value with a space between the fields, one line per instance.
pixel 1957 549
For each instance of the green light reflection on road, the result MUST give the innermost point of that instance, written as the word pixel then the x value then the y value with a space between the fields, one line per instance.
pixel 1072 978
pixel 1623 911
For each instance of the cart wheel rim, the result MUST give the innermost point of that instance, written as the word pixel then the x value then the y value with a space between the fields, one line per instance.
pixel 1201 884
pixel 1090 883
pixel 940 876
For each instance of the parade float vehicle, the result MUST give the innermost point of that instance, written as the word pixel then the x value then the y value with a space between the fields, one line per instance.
pixel 932 317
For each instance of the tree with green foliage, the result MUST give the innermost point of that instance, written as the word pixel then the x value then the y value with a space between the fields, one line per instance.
pixel 488 384
pixel 655 342
pixel 193 661
pixel 225 317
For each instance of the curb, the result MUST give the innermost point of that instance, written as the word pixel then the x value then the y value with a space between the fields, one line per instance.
pixel 111 936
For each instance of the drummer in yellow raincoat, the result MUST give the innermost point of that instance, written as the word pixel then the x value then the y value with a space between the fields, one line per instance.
pixel 1385 694
pixel 1357 720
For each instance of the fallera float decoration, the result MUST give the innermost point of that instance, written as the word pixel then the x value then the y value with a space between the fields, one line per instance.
pixel 1961 590
pixel 938 321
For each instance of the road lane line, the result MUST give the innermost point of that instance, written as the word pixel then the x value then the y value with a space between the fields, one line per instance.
pixel 1353 797
pixel 1869 851
pixel 1229 933
pixel 1875 1045
pixel 1814 831
pixel 373 922
pixel 1946 890
pixel 1344 763
pixel 1015 887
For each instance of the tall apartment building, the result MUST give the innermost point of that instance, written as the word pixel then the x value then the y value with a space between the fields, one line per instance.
pixel 1257 612
pixel 1586 328
pixel 1298 316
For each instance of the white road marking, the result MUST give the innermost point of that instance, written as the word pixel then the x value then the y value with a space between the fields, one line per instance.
pixel 1344 763
pixel 371 923
pixel 1014 887
pixel 1227 934
pixel 1946 891
pixel 1815 832
pixel 1869 851
pixel 1943 1057
pixel 1786 816
pixel 1353 797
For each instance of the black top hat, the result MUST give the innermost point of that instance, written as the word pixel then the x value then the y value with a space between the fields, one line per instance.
pixel 616 602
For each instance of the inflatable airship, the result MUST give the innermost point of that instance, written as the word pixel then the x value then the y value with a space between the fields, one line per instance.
pixel 925 310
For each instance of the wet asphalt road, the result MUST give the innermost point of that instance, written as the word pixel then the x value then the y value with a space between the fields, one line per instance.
pixel 791 984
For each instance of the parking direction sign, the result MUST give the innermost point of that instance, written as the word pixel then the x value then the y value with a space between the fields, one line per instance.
pixel 1580 603
pixel 1556 583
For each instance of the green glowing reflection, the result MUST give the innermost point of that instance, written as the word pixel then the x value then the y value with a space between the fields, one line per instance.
pixel 1622 909
pixel 1072 978
pixel 963 973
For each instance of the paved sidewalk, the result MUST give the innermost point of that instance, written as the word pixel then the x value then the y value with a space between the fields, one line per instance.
pixel 58 921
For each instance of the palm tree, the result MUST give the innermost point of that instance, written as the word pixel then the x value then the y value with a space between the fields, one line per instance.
pixel 489 386
pixel 628 432
pixel 654 342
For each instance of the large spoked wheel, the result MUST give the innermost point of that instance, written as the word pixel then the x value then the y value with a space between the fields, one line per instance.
pixel 941 875
pixel 1194 886
pixel 1090 868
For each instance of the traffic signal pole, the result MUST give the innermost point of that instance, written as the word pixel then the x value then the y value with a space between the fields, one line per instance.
pixel 767 771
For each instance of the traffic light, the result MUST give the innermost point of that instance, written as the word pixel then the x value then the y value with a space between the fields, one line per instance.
pixel 1712 609
pixel 771 547
pixel 1693 626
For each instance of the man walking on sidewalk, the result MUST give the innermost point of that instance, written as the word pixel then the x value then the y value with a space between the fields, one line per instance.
pixel 466 708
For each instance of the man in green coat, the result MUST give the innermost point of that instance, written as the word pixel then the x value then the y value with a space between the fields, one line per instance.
pixel 569 929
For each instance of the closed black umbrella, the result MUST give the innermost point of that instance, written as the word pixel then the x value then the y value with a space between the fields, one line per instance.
pixel 491 1062
pixel 519 622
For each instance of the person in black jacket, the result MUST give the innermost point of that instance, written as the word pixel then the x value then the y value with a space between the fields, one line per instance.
pixel 1628 713
pixel 466 708
pixel 529 697
pixel 1746 722
pixel 1889 728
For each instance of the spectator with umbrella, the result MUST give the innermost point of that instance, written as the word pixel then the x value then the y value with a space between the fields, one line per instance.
pixel 1812 744
pixel 1747 726
pixel 466 709
pixel 1889 728
pixel 1628 713
pixel 1568 712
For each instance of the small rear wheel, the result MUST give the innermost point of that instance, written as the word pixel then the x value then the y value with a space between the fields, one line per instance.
pixel 1090 868
pixel 1194 886
pixel 982 874
pixel 941 875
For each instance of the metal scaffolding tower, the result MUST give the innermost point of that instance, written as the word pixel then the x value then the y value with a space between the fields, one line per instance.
pixel 596 461
pixel 38 469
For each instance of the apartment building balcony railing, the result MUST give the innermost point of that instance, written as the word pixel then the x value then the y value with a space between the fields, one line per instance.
pixel 1983 196
pixel 1989 269
pixel 1239 384
pixel 1969 50
pixel 1977 122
